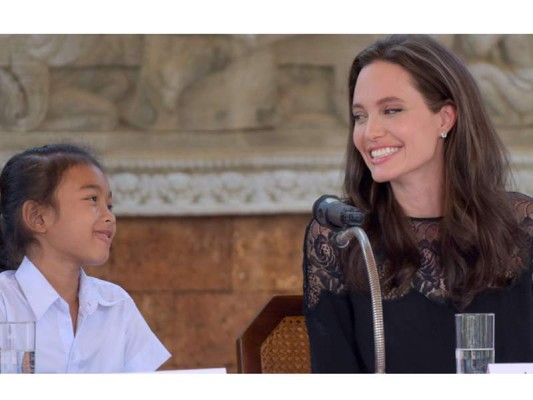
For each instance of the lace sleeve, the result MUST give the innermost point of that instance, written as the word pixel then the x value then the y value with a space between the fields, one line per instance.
pixel 523 209
pixel 321 266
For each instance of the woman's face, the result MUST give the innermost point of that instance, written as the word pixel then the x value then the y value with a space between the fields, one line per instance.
pixel 397 134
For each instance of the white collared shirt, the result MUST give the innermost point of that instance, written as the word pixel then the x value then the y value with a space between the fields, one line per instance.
pixel 111 334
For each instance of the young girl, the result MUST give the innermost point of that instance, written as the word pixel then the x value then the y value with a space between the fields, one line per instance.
pixel 55 218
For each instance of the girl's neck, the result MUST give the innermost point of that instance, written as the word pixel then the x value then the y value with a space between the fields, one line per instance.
pixel 62 276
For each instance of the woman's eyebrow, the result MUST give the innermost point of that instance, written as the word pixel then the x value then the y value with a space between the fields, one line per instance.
pixel 384 100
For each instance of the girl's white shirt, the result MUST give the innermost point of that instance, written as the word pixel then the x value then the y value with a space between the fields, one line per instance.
pixel 111 336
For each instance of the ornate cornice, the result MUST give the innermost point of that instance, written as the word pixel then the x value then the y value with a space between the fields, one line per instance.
pixel 256 185
pixel 276 182
pixel 222 186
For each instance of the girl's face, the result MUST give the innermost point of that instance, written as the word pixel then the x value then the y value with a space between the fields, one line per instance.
pixel 398 136
pixel 81 227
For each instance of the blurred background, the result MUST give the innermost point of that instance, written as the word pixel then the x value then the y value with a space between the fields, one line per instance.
pixel 216 147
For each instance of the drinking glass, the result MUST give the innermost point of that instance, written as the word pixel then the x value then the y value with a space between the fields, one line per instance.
pixel 474 343
pixel 17 347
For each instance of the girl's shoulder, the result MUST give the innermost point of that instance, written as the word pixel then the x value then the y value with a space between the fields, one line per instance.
pixel 108 293
pixel 7 279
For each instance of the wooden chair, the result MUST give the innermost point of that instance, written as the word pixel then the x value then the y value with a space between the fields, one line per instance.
pixel 276 341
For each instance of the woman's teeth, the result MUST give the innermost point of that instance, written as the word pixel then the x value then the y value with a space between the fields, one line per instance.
pixel 385 151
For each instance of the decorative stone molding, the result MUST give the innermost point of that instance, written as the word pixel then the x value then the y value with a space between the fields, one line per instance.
pixel 231 186
pixel 215 187
pixel 255 186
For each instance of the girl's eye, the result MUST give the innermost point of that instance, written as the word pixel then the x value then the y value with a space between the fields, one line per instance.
pixel 93 198
pixel 110 207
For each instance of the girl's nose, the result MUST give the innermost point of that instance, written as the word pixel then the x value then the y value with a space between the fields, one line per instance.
pixel 110 217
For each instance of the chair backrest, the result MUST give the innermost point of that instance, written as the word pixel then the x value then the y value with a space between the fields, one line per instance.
pixel 276 340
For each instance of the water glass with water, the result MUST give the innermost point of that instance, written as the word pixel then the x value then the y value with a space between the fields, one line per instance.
pixel 17 347
pixel 474 343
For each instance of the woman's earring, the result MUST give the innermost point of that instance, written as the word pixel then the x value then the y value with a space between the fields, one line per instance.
pixel 444 135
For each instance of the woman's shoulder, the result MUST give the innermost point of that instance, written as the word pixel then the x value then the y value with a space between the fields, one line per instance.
pixel 319 247
pixel 521 198
pixel 522 206
pixel 322 265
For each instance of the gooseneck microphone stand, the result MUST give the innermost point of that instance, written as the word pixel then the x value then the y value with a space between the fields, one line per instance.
pixel 345 221
pixel 342 239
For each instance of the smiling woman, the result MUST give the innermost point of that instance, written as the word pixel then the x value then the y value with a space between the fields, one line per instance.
pixel 56 218
pixel 427 166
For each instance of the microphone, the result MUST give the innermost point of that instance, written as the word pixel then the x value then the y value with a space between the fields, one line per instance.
pixel 345 221
pixel 332 213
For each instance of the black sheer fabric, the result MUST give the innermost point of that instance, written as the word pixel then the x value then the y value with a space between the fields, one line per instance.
pixel 419 323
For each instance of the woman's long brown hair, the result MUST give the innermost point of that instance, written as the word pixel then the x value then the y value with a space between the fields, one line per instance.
pixel 478 225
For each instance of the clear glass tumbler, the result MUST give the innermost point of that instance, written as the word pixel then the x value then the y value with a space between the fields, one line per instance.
pixel 17 347
pixel 474 343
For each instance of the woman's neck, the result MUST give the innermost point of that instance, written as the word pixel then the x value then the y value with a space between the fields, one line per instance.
pixel 420 201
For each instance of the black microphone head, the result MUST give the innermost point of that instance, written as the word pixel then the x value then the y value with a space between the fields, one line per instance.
pixel 332 213
pixel 320 210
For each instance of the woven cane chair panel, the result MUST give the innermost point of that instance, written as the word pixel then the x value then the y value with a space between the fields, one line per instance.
pixel 286 349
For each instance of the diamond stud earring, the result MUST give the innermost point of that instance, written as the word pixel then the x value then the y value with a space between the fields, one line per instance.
pixel 444 135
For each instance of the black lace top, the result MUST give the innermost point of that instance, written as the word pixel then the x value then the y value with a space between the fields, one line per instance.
pixel 419 323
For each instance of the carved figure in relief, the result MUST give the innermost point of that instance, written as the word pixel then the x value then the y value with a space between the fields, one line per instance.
pixel 52 82
pixel 150 82
pixel 206 82
pixel 503 67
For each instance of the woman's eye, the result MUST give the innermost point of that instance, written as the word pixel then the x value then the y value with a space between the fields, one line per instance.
pixel 93 198
pixel 393 110
pixel 357 118
pixel 110 207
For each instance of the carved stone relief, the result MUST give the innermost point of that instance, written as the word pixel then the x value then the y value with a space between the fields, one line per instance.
pixel 306 97
pixel 65 82
pixel 503 67
pixel 207 124
pixel 240 96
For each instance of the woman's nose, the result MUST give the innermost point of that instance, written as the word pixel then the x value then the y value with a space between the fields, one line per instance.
pixel 373 128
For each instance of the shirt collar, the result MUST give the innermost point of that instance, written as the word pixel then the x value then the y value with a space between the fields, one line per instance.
pixel 37 290
pixel 41 295
pixel 90 296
